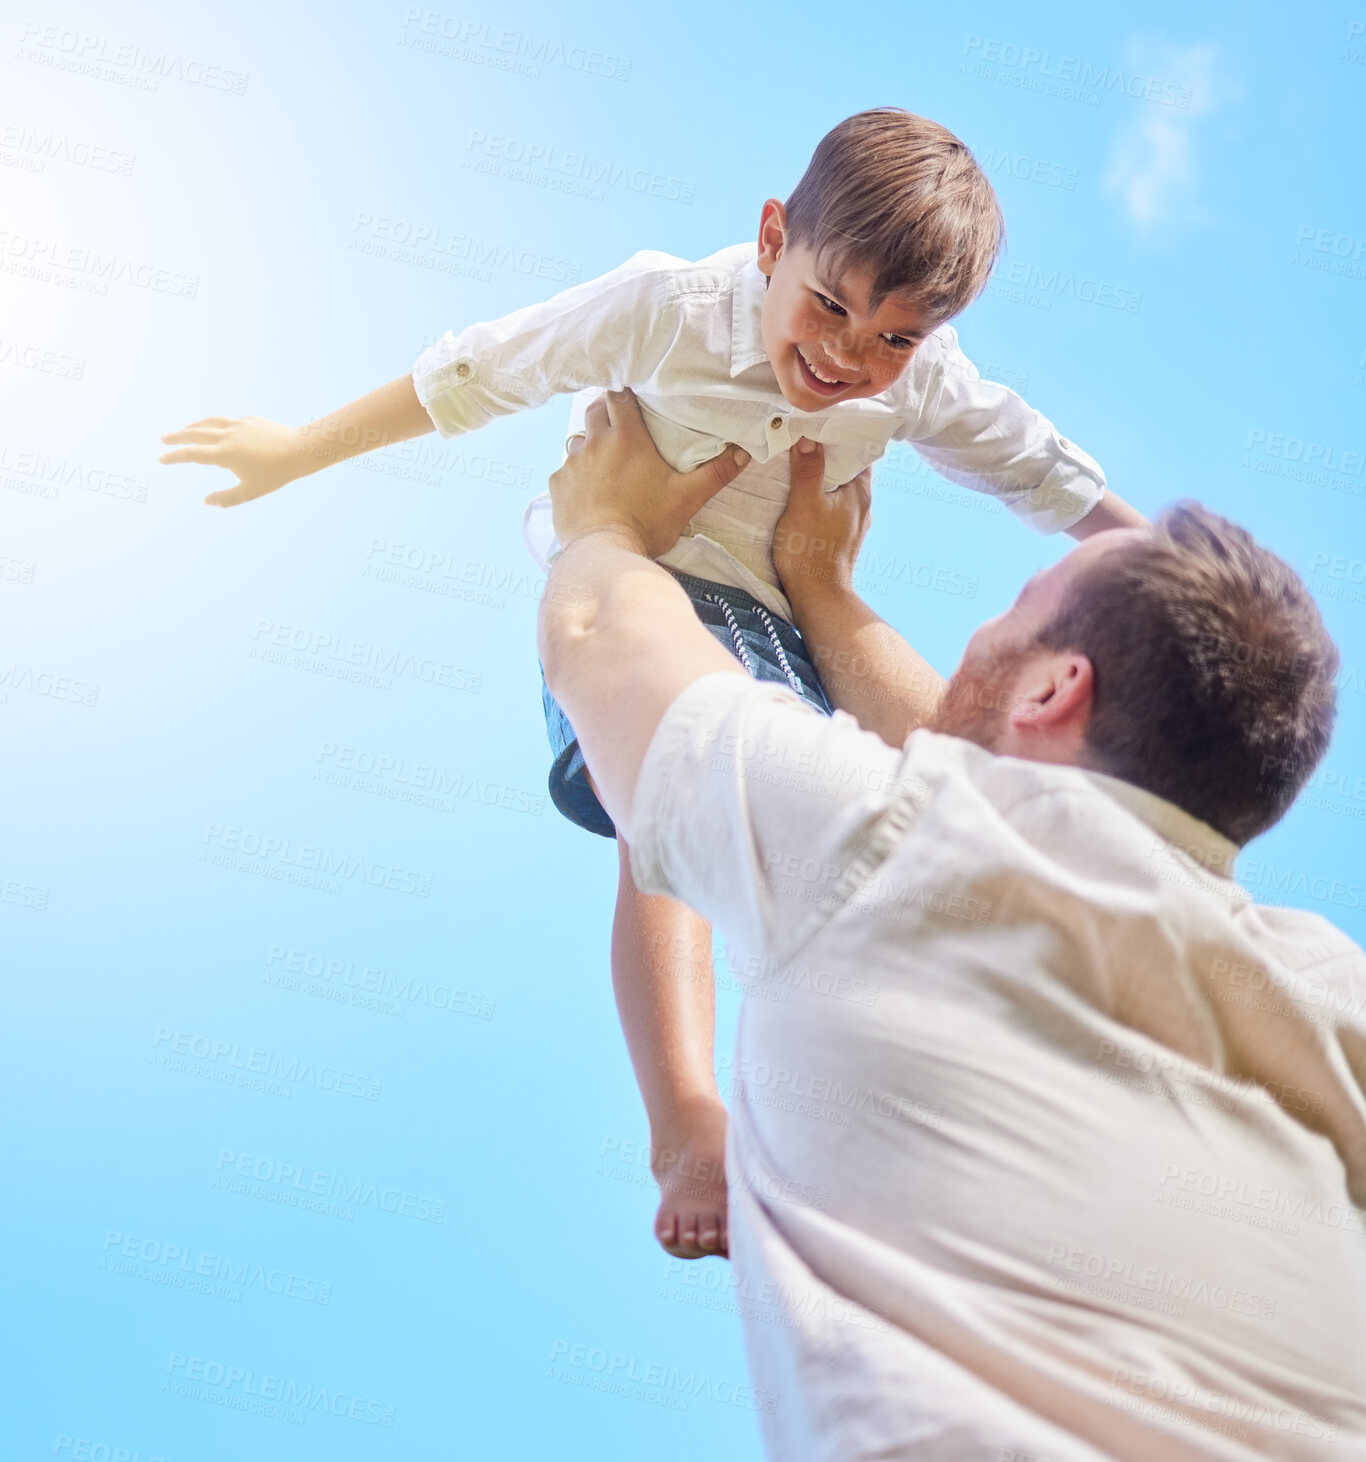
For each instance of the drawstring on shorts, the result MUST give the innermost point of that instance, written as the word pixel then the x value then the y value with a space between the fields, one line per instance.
pixel 742 650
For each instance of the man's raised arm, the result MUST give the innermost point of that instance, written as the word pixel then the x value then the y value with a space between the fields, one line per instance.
pixel 866 667
pixel 617 636
pixel 721 821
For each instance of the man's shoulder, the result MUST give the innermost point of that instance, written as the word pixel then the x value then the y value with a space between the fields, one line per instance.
pixel 1003 777
pixel 1081 814
pixel 1073 816
pixel 1305 941
pixel 731 715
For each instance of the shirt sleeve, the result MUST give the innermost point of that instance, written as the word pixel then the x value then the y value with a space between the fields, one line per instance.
pixel 763 814
pixel 609 332
pixel 981 435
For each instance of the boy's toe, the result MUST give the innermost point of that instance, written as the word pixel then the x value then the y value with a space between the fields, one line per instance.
pixel 691 1219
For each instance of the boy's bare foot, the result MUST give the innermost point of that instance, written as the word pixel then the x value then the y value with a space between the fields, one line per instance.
pixel 689 1163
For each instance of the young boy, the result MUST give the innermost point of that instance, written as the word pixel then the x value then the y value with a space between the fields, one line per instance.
pixel 837 331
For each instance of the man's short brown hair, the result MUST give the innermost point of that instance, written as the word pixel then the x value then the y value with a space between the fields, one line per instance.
pixel 901 196
pixel 1213 672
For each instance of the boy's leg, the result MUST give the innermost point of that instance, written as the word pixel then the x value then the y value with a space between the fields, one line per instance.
pixel 662 976
pixel 661 953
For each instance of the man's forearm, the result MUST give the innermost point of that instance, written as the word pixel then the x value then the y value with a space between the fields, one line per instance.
pixel 867 668
pixel 618 641
pixel 391 414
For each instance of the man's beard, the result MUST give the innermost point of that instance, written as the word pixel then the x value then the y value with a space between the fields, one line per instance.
pixel 980 694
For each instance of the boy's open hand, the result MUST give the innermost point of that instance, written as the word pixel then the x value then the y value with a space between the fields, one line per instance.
pixel 264 454
pixel 817 540
pixel 615 478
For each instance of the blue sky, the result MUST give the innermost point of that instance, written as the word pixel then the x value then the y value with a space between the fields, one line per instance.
pixel 380 1142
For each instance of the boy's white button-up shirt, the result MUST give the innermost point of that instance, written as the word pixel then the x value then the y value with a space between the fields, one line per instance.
pixel 1046 1141
pixel 686 338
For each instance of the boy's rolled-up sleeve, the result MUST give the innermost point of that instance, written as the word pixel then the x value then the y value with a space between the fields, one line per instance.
pixel 763 814
pixel 608 332
pixel 982 435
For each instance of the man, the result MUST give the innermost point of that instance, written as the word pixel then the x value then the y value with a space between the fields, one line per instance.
pixel 1055 1147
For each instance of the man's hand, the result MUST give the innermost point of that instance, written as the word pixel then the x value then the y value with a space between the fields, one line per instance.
pixel 866 667
pixel 614 478
pixel 817 540
pixel 264 454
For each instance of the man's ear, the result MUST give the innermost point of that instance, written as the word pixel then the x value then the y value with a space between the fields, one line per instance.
pixel 772 235
pixel 1051 707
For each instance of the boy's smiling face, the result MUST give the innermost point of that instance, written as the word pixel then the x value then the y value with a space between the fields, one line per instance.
pixel 823 342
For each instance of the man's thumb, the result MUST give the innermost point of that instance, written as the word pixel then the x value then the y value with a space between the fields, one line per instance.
pixel 808 467
pixel 698 487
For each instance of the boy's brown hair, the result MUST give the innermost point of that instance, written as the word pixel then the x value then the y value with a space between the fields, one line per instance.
pixel 903 197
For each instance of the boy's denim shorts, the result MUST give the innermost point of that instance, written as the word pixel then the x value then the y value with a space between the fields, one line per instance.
pixel 731 615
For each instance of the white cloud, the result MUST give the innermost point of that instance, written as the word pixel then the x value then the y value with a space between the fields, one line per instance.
pixel 1152 165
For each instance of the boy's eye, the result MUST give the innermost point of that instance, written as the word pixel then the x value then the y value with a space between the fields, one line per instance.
pixel 829 304
pixel 898 342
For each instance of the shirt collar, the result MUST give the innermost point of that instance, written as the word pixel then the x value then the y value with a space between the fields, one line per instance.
pixel 747 309
pixel 1209 848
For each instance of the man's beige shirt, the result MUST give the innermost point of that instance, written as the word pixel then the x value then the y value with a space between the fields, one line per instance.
pixel 1048 1143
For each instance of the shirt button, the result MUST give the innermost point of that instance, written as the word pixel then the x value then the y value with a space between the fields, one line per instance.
pixel 464 369
pixel 776 423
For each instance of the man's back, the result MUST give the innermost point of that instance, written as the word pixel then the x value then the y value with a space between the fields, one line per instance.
pixel 1026 1075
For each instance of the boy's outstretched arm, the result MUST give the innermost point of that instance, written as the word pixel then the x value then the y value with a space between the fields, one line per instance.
pixel 983 435
pixel 606 332
pixel 1110 512
pixel 266 455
